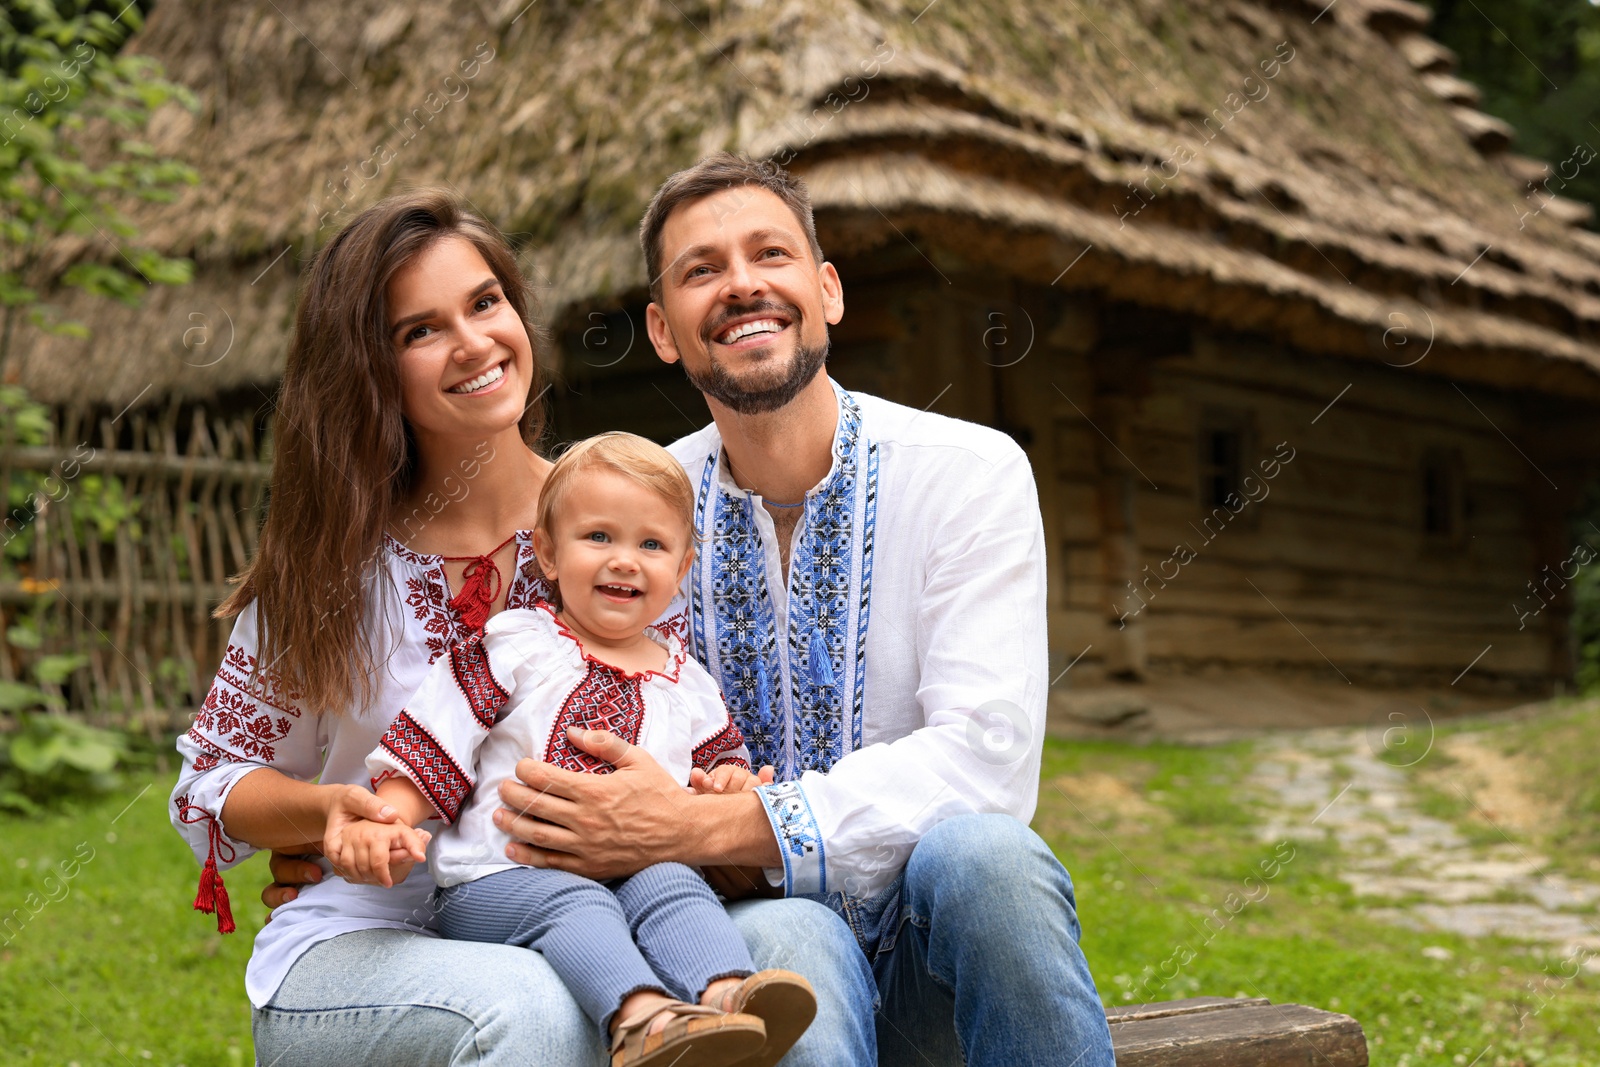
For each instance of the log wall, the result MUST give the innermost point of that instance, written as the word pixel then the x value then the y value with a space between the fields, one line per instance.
pixel 1331 571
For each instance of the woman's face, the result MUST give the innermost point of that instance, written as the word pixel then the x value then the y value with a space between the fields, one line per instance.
pixel 466 363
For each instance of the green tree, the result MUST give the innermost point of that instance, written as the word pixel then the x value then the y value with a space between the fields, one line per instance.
pixel 1538 64
pixel 71 111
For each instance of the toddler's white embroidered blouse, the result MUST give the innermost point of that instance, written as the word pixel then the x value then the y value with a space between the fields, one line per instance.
pixel 511 693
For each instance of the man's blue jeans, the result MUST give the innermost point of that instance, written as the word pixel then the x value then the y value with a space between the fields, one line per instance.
pixel 975 955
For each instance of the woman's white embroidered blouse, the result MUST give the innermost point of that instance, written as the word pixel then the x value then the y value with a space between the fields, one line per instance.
pixel 250 720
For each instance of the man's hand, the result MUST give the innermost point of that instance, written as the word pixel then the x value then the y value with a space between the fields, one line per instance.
pixel 290 870
pixel 293 869
pixel 740 883
pixel 601 826
pixel 733 882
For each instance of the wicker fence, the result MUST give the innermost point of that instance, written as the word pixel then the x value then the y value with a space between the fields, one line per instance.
pixel 137 521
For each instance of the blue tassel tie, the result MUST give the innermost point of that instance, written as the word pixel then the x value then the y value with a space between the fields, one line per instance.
pixel 763 697
pixel 820 662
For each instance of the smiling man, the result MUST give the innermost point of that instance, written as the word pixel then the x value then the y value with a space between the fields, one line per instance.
pixel 870 594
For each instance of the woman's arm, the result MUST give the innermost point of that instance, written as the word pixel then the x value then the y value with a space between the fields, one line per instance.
pixel 251 734
pixel 269 809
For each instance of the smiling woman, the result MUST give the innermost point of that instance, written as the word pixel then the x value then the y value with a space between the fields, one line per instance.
pixel 412 301
pixel 411 367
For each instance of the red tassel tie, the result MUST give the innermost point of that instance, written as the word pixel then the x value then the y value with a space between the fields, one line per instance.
pixel 480 585
pixel 212 896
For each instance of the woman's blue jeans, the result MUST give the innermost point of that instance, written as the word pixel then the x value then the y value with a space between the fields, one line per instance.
pixel 383 997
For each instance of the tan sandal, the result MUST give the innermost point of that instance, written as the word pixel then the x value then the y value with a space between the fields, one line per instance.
pixel 782 1000
pixel 698 1037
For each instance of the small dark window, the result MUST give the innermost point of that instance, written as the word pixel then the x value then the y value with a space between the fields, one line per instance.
pixel 1221 459
pixel 1443 494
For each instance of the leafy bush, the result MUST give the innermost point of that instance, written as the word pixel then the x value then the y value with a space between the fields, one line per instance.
pixel 51 758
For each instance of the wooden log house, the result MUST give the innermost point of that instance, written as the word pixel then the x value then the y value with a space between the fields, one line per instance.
pixel 1305 358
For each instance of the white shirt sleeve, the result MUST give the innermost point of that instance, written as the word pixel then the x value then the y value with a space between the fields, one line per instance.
pixel 981 640
pixel 249 720
pixel 715 736
pixel 434 740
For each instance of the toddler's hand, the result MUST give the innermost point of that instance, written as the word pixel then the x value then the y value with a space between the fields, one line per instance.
pixel 728 778
pixel 372 853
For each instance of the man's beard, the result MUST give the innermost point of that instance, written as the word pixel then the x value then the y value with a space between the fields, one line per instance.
pixel 762 389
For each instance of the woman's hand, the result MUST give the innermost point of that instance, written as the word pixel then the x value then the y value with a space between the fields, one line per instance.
pixel 348 804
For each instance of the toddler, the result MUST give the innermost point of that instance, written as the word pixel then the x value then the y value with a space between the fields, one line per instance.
pixel 614 536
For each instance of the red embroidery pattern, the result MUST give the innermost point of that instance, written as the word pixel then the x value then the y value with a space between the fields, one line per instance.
pixel 469 662
pixel 212 755
pixel 429 600
pixel 239 668
pixel 528 584
pixel 428 596
pixel 247 710
pixel 427 764
pixel 709 753
pixel 675 626
pixel 605 699
pixel 674 662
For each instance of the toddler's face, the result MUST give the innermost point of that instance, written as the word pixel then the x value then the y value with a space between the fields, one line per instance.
pixel 617 552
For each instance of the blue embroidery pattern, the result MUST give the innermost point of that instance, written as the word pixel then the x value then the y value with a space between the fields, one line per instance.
pixel 799 701
pixel 797 833
pixel 868 534
pixel 742 618
pixel 821 577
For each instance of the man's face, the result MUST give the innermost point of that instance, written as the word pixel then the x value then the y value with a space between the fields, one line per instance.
pixel 744 304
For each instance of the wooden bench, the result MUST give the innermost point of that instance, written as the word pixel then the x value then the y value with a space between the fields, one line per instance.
pixel 1224 1032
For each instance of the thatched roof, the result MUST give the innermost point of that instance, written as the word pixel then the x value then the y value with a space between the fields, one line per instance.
pixel 1355 184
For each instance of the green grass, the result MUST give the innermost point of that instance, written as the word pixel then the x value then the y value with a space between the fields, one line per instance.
pixel 1562 746
pixel 113 966
pixel 1147 885
pixel 118 969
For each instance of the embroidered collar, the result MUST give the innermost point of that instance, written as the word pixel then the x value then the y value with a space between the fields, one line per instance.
pixel 797 695
pixel 676 653
pixel 427 594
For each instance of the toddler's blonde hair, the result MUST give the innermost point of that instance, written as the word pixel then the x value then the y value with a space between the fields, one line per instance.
pixel 635 458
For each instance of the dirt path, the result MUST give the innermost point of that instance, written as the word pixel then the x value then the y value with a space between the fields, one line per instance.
pixel 1416 870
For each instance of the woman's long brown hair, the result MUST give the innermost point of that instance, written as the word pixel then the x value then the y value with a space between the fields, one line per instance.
pixel 344 456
